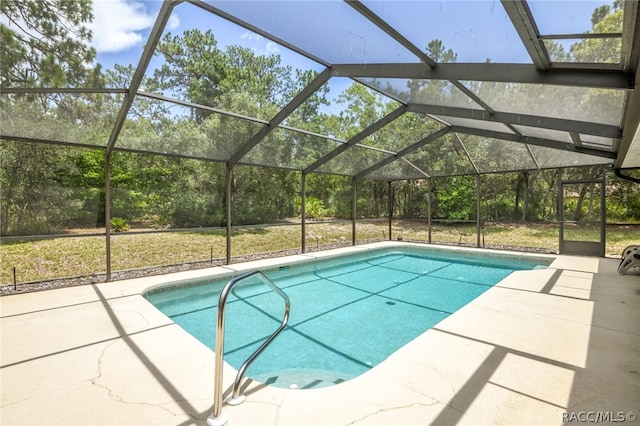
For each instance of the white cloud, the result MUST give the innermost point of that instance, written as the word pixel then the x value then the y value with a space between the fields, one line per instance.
pixel 119 25
pixel 262 45
pixel 173 22
pixel 272 48
pixel 251 36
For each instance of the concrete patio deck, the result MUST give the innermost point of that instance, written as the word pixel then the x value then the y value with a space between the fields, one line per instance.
pixel 541 347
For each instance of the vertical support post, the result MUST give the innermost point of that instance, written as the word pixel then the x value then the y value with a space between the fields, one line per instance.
pixel 560 213
pixel 353 211
pixel 217 418
pixel 107 211
pixel 429 191
pixel 228 177
pixel 390 209
pixel 478 215
pixel 603 213
pixel 303 211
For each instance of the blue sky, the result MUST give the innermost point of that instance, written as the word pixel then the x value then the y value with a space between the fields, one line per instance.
pixel 121 28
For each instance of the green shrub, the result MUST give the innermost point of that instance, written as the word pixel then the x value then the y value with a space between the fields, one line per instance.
pixel 314 208
pixel 119 224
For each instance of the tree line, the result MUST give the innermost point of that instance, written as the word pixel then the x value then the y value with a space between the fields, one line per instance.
pixel 56 188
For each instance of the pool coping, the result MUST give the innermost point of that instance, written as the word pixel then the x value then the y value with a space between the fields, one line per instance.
pixel 531 347
pixel 229 271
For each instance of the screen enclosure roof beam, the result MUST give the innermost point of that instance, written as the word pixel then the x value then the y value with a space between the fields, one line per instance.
pixel 310 89
pixel 560 124
pixel 214 10
pixel 604 78
pixel 422 142
pixel 547 143
pixel 384 26
pixel 357 138
pixel 522 20
pixel 136 80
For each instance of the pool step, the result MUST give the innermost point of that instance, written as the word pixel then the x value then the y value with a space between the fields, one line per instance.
pixel 299 378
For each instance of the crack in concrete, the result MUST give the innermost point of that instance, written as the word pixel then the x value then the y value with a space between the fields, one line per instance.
pixel 443 377
pixel 387 409
pixel 115 396
pixel 145 321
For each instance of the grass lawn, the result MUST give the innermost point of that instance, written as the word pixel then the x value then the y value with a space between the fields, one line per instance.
pixel 84 256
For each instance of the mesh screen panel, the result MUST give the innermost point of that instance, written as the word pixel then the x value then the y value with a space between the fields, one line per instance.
pixel 397 170
pixel 289 149
pixel 548 157
pixel 573 103
pixel 474 30
pixel 494 155
pixel 80 118
pixel 403 132
pixel 332 31
pixel 443 157
pixel 167 128
pixel 420 91
pixel 353 161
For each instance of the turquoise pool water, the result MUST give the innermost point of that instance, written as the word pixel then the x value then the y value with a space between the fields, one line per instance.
pixel 347 314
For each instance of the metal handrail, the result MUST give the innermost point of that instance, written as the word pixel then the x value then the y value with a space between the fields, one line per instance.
pixel 217 418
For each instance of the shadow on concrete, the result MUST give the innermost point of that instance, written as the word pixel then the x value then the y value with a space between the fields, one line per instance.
pixel 175 394
pixel 608 383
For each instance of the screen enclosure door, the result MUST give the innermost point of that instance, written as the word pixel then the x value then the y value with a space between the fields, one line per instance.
pixel 582 217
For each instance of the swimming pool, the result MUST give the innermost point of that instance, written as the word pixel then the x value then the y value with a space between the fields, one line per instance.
pixel 348 314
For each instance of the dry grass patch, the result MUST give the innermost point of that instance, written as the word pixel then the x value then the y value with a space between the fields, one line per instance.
pixel 84 256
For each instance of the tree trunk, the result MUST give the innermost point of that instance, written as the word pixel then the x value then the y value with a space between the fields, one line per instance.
pixel 516 202
pixel 592 188
pixel 527 195
pixel 101 220
pixel 577 215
